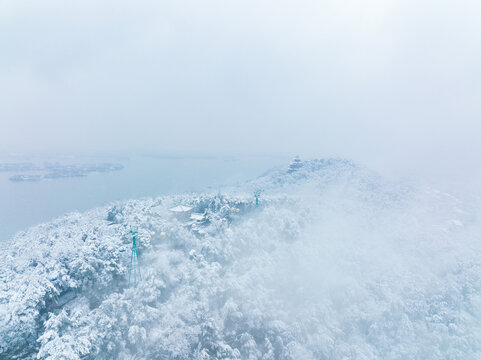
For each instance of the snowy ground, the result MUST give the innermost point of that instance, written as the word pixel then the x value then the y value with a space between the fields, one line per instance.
pixel 335 263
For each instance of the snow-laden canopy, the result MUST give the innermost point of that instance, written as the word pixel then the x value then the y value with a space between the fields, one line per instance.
pixel 335 263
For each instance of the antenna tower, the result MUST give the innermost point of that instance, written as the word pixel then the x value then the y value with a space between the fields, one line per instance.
pixel 257 194
pixel 134 270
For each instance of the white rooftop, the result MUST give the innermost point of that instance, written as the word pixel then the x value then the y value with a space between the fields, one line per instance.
pixel 197 217
pixel 181 208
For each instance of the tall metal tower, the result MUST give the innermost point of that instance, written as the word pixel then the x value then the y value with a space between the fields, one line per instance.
pixel 134 270
pixel 257 194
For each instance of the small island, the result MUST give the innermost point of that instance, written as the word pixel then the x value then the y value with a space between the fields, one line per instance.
pixel 25 178
pixel 55 170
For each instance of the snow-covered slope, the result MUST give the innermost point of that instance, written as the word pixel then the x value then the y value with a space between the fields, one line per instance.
pixel 335 263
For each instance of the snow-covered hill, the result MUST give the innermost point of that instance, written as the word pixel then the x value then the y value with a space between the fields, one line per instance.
pixel 335 263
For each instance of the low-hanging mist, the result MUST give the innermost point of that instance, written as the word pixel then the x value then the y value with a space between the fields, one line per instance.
pixel 334 263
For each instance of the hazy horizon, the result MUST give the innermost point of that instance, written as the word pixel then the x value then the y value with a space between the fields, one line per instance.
pixel 395 85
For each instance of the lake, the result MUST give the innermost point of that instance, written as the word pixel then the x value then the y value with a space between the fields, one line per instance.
pixel 24 204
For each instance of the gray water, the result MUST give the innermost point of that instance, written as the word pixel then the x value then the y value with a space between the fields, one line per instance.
pixel 24 204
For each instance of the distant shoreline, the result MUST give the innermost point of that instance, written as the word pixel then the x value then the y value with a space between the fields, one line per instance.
pixel 55 170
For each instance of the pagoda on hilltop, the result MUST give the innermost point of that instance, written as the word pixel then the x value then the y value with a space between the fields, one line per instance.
pixel 295 165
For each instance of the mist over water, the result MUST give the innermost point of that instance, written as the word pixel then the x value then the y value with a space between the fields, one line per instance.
pixel 28 203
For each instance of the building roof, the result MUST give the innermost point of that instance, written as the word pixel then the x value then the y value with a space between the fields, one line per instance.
pixel 181 208
pixel 197 217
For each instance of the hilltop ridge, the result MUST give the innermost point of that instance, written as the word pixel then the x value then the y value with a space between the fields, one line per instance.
pixel 335 262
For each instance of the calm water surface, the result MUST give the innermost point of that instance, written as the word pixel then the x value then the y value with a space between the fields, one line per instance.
pixel 23 204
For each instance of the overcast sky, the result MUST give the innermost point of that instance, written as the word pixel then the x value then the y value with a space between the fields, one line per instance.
pixel 393 84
